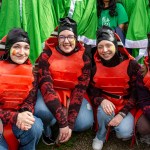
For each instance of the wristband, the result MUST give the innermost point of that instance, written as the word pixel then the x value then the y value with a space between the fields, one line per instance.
pixel 122 114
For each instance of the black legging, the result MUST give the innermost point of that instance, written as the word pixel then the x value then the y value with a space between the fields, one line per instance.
pixel 143 126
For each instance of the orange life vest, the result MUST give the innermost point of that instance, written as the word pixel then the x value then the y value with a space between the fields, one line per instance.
pixel 113 80
pixel 15 84
pixel 65 70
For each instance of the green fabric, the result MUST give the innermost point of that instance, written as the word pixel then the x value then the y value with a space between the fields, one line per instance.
pixel 113 22
pixel 128 5
pixel 61 8
pixel 139 22
pixel 135 53
pixel 148 13
pixel 0 8
pixel 39 21
pixel 47 18
pixel 85 14
pixel 138 28
pixel 9 16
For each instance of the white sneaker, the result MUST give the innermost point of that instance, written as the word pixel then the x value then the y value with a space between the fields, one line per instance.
pixel 97 144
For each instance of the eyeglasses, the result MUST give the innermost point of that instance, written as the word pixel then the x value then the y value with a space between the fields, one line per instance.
pixel 62 38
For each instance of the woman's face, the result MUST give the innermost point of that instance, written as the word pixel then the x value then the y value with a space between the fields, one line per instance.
pixel 67 41
pixel 106 49
pixel 19 52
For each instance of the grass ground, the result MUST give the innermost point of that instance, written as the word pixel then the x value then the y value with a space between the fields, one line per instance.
pixel 83 141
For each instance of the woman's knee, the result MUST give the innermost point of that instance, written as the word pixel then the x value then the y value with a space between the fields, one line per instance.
pixel 125 128
pixel 124 132
pixel 43 114
pixel 100 113
pixel 40 104
pixel 102 116
pixel 37 127
pixel 41 110
pixel 83 124
pixel 143 126
pixel 85 117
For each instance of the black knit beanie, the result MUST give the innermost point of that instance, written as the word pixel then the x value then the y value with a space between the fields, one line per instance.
pixel 106 33
pixel 16 35
pixel 67 24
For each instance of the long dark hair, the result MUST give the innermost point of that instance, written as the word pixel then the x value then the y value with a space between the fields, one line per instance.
pixel 111 7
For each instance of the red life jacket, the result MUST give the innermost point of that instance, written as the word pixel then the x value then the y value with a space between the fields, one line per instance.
pixel 65 70
pixel 15 84
pixel 113 80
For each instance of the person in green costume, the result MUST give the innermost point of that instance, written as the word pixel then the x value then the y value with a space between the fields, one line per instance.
pixel 128 5
pixel 138 28
pixel 111 14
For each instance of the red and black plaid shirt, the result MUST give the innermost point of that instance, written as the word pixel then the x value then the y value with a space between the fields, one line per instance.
pixel 50 97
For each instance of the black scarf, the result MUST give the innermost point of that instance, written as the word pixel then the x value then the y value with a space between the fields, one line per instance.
pixel 114 61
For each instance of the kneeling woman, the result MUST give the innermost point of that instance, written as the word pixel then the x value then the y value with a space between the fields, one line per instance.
pixel 64 74
pixel 113 87
pixel 18 88
pixel 143 103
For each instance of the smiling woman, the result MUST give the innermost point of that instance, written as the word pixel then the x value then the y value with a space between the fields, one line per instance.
pixel 18 89
pixel 67 41
pixel 19 52
pixel 17 46
pixel 64 75
pixel 110 88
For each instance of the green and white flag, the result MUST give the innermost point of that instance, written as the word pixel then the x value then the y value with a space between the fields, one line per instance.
pixel 84 12
pixel 138 28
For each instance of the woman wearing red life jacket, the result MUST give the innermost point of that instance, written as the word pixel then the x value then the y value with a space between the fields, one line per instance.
pixel 112 87
pixel 18 88
pixel 142 118
pixel 64 74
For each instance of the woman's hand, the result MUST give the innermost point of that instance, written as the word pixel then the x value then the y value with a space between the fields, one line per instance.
pixel 25 120
pixel 116 120
pixel 108 106
pixel 63 134
pixel 68 137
